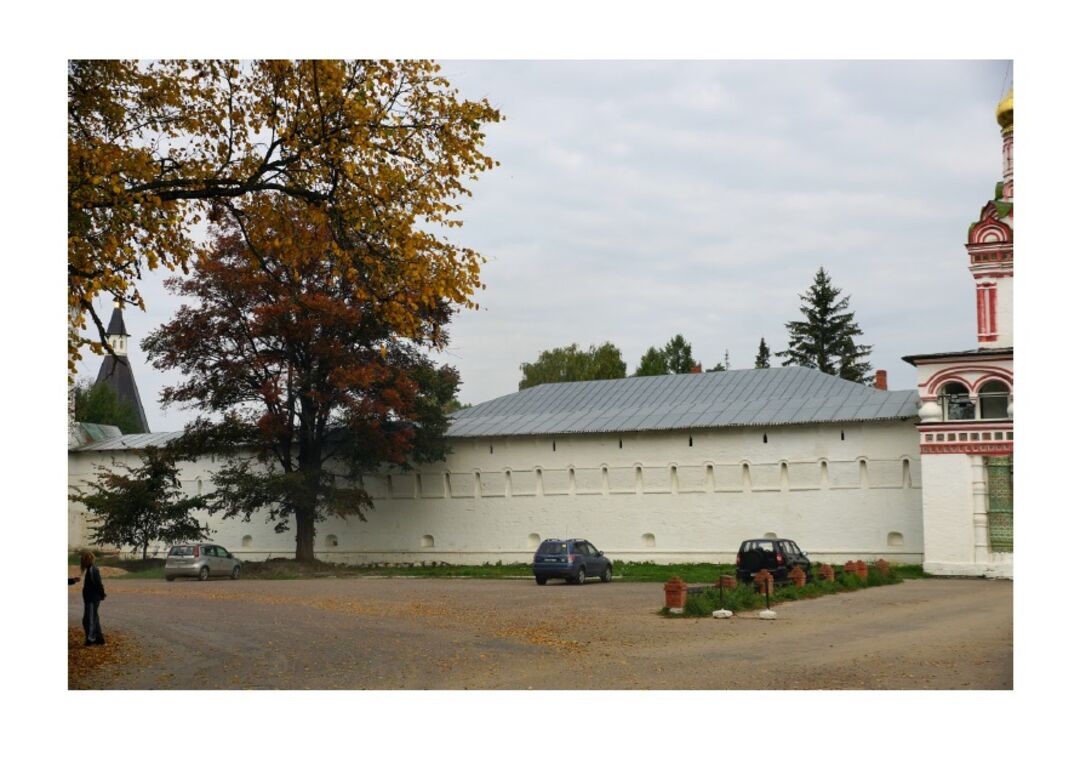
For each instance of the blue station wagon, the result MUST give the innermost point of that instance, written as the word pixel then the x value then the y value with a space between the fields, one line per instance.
pixel 573 560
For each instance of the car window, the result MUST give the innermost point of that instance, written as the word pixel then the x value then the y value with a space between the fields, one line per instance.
pixel 552 547
pixel 591 549
pixel 581 548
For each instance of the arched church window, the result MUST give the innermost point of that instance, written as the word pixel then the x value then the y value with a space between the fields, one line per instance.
pixel 994 400
pixel 956 402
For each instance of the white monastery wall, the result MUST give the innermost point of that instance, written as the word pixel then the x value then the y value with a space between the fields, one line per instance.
pixel 840 491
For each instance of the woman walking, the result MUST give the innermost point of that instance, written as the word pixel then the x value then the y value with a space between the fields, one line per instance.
pixel 93 593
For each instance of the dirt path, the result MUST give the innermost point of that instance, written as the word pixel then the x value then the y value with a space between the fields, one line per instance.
pixel 510 634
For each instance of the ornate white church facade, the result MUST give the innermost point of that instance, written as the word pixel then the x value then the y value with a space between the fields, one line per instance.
pixel 682 468
pixel 966 417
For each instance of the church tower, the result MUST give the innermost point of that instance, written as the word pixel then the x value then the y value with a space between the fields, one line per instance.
pixel 966 413
pixel 115 370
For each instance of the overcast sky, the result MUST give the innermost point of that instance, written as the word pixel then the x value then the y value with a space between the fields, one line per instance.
pixel 637 200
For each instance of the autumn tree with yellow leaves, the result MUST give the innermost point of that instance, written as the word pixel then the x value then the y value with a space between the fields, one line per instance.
pixel 376 153
pixel 306 384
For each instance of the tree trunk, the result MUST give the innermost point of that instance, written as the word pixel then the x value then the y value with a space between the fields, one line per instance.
pixel 145 546
pixel 305 535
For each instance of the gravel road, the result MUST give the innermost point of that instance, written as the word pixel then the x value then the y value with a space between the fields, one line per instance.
pixel 378 633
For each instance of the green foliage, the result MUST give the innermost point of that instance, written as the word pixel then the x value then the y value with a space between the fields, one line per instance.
pixel 738 599
pixel 565 364
pixel 652 363
pixel 652 572
pixel 908 571
pixel 98 404
pixel 679 356
pixel 849 581
pixel 717 367
pixel 455 405
pixel 762 359
pixel 135 506
pixel 743 597
pixel 826 339
pixel 676 357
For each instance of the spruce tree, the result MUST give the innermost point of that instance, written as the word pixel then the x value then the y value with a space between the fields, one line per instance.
pixel 762 359
pixel 825 340
pixel 679 356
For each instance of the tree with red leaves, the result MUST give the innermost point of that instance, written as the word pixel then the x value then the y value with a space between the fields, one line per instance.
pixel 301 362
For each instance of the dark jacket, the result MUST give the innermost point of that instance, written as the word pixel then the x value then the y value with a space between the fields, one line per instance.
pixel 93 590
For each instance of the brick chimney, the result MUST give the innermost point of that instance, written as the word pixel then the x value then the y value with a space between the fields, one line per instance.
pixel 696 369
pixel 881 379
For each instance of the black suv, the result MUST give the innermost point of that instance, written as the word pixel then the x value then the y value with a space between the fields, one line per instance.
pixel 777 555
pixel 573 559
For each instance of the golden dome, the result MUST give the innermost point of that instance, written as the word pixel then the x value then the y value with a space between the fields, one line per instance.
pixel 1005 111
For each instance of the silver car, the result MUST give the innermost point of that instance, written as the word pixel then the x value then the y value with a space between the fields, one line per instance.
pixel 200 560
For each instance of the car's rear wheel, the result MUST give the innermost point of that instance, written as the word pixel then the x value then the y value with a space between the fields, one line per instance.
pixel 236 572
pixel 204 573
pixel 605 576
pixel 579 579
pixel 541 580
pixel 170 578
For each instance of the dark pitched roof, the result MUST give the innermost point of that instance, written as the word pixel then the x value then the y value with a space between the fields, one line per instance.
pixel 960 354
pixel 116 373
pixel 116 323
pixel 753 397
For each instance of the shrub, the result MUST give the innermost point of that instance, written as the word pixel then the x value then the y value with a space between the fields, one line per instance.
pixel 874 577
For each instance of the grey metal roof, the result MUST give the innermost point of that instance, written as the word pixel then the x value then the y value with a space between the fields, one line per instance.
pixel 754 397
pixel 132 441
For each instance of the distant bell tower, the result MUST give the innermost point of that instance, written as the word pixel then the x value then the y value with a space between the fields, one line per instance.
pixel 990 248
pixel 116 370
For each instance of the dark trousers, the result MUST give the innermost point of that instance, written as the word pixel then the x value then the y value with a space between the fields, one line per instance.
pixel 91 624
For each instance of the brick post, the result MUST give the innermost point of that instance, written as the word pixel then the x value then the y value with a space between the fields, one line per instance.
pixel 882 566
pixel 861 569
pixel 826 573
pixel 726 581
pixel 798 577
pixel 763 582
pixel 850 566
pixel 675 593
